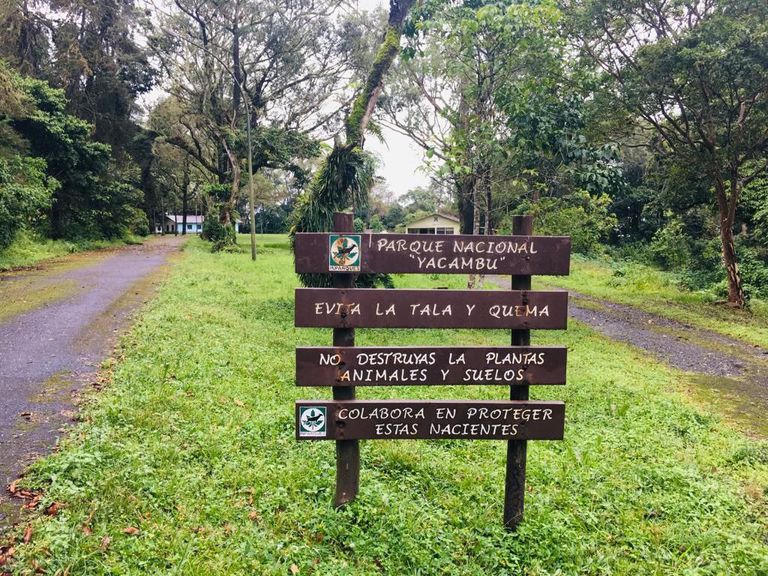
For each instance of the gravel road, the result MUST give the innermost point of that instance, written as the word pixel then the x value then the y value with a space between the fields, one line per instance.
pixel 728 374
pixel 48 353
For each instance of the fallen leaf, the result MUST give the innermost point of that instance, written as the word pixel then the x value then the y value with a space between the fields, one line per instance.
pixel 32 504
pixel 239 403
pixel 5 554
pixel 13 486
pixel 131 531
pixel 53 509
pixel 87 530
pixel 27 534
pixel 105 543
pixel 294 569
pixel 253 515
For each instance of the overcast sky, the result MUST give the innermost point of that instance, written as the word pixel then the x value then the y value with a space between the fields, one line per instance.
pixel 400 158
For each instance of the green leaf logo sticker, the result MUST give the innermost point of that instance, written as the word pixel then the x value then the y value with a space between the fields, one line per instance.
pixel 312 422
pixel 344 253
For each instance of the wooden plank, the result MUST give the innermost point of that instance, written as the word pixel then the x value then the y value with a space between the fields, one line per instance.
pixel 419 366
pixel 432 254
pixel 420 420
pixel 376 308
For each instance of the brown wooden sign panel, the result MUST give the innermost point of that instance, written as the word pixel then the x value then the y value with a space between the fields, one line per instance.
pixel 377 308
pixel 417 420
pixel 418 366
pixel 432 254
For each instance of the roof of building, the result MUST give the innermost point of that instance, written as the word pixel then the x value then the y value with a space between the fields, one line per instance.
pixel 434 215
pixel 191 218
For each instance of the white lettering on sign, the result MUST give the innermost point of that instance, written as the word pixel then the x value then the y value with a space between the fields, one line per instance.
pixel 390 311
pixel 514 358
pixel 329 359
pixel 384 358
pixel 336 308
pixel 380 413
pixel 471 430
pixel 384 375
pixel 431 310
pixel 469 255
pixel 517 311
pixel 421 309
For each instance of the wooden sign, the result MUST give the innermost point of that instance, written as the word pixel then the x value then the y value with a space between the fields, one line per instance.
pixel 431 254
pixel 376 308
pixel 343 254
pixel 420 420
pixel 416 366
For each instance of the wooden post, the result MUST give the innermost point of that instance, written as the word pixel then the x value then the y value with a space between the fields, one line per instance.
pixel 514 487
pixel 347 451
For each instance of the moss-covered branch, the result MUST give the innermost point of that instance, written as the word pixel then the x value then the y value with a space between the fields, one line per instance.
pixel 346 175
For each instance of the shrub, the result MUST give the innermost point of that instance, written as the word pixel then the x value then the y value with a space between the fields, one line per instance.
pixel 671 247
pixel 220 235
pixel 25 193
pixel 583 217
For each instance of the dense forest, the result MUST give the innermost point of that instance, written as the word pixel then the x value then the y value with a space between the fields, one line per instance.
pixel 638 127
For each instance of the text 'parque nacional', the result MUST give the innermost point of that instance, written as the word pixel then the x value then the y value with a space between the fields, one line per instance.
pixel 422 254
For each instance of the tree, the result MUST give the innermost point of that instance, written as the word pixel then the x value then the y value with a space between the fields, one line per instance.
pixel 25 188
pixel 99 64
pixel 96 198
pixel 276 67
pixel 489 93
pixel 696 74
pixel 346 175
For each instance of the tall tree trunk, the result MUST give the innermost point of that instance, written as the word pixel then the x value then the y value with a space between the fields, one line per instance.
pixel 365 103
pixel 472 279
pixel 229 206
pixel 465 184
pixel 735 288
pixel 184 198
pixel 346 172
pixel 727 214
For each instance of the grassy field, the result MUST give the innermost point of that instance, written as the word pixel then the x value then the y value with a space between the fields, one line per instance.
pixel 659 292
pixel 187 463
pixel 28 250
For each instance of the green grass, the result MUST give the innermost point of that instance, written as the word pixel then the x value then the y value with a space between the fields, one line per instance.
pixel 193 445
pixel 659 292
pixel 29 249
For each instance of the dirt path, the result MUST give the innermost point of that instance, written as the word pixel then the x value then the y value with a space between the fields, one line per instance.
pixel 727 373
pixel 63 322
pixel 723 372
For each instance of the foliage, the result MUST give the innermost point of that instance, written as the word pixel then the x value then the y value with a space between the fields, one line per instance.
pixel 342 181
pixel 25 195
pixel 586 219
pixel 220 235
pixel 696 75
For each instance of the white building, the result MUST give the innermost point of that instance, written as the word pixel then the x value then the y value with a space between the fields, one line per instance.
pixel 174 224
pixel 434 224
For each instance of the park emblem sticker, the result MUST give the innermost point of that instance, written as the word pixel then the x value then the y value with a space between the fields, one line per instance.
pixel 312 422
pixel 344 253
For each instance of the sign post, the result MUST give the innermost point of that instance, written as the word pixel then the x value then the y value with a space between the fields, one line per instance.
pixel 347 451
pixel 344 366
pixel 517 450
